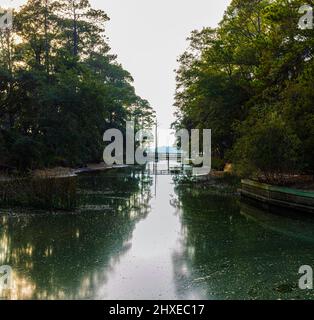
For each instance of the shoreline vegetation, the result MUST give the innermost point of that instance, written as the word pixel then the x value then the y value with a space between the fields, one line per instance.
pixel 40 192
pixel 250 80
pixel 55 189
pixel 61 88
pixel 50 189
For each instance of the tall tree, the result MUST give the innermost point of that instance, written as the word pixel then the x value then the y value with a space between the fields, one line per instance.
pixel 253 72
pixel 60 88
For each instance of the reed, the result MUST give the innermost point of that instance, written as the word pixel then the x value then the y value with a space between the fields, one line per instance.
pixel 48 193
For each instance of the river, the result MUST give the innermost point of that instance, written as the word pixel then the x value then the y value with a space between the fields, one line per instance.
pixel 139 236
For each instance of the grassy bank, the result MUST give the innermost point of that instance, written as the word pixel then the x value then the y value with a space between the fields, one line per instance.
pixel 48 193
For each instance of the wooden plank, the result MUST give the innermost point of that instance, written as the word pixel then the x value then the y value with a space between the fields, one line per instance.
pixel 279 196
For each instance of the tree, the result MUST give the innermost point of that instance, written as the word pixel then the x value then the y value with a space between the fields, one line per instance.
pixel 256 64
pixel 60 88
pixel 267 148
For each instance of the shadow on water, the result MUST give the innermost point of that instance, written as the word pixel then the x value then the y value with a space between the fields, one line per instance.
pixel 235 251
pixel 67 256
pixel 292 224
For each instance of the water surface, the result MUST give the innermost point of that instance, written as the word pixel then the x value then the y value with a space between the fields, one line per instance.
pixel 147 237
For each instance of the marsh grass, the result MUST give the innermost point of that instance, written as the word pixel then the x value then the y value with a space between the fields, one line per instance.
pixel 44 192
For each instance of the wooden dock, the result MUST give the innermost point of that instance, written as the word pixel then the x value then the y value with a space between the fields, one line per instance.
pixel 292 199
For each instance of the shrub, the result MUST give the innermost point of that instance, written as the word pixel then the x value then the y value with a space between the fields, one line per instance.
pixel 269 150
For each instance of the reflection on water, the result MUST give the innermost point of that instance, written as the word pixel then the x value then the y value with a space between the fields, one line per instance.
pixel 142 237
pixel 232 256
pixel 69 256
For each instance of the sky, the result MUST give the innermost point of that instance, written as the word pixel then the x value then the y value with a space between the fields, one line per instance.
pixel 148 36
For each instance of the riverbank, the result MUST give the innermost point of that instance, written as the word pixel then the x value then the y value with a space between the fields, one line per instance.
pixel 66 171
pixel 218 182
pixel 295 195
pixel 58 171
pixel 48 189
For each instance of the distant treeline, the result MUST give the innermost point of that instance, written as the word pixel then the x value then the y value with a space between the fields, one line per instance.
pixel 60 88
pixel 251 82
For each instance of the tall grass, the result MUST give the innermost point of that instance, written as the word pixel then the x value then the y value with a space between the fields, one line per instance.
pixel 48 193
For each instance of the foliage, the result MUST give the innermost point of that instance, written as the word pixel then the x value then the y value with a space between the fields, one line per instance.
pixel 268 148
pixel 250 80
pixel 60 88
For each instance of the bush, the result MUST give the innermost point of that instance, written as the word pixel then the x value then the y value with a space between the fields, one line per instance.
pixel 269 150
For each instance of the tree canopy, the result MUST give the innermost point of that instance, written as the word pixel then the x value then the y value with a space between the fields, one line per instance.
pixel 60 87
pixel 250 80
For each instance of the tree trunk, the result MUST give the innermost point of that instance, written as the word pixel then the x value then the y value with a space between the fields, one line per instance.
pixel 75 33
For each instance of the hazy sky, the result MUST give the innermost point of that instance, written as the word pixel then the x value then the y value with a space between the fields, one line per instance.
pixel 149 35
